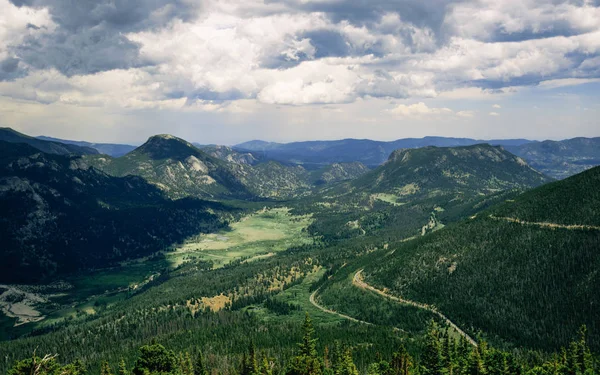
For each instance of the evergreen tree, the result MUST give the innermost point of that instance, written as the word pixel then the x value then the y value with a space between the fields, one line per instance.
pixel 476 364
pixel 250 363
pixel 200 367
pixel 105 369
pixel 401 362
pixel 306 362
pixel 347 366
pixel 123 368
pixel 308 346
pixel 36 366
pixel 155 359
pixel 432 362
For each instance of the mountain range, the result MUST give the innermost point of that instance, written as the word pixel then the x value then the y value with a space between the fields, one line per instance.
pixel 557 159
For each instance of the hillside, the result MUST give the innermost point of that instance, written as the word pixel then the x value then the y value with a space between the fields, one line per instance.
pixel 561 159
pixel 59 215
pixel 524 272
pixel 50 147
pixel 176 167
pixel 431 171
pixel 419 190
pixel 111 149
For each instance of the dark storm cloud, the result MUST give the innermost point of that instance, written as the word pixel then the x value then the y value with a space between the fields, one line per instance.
pixel 89 37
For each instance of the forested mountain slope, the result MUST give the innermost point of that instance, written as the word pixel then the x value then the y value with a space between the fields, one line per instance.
pixel 176 167
pixel 57 215
pixel 111 149
pixel 434 170
pixel 47 146
pixel 419 190
pixel 523 283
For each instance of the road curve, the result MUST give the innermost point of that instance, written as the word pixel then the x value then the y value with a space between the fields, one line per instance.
pixel 359 282
pixel 315 304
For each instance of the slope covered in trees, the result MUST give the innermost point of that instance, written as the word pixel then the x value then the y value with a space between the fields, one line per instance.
pixel 57 215
pixel 525 284
pixel 47 146
pixel 441 354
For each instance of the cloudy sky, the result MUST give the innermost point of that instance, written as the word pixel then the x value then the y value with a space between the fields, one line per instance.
pixel 225 71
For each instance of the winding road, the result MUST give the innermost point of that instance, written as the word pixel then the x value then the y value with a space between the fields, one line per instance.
pixel 359 282
pixel 315 304
pixel 547 225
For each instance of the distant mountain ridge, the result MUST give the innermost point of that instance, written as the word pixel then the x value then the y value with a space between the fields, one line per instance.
pixel 368 152
pixel 50 147
pixel 558 159
pixel 561 159
pixel 177 167
pixel 111 149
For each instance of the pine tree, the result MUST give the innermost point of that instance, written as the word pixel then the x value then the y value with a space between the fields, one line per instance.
pixel 432 360
pixel 266 367
pixel 347 366
pixel 401 362
pixel 306 362
pixel 123 368
pixel 200 367
pixel 475 364
pixel 308 346
pixel 105 369
pixel 250 364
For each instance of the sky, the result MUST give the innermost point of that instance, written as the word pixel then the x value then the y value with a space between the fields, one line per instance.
pixel 225 71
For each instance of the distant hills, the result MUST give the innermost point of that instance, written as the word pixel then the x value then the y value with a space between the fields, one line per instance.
pixel 111 149
pixel 524 271
pixel 561 159
pixel 557 159
pixel 50 147
pixel 368 152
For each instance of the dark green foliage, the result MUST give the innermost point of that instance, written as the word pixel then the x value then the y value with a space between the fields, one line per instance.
pixel 200 366
pixel 432 360
pixel 456 359
pixel 155 359
pixel 575 200
pixel 306 362
pixel 524 284
pixel 36 366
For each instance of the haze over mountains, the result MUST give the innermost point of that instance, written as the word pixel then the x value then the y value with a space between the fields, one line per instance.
pixel 557 159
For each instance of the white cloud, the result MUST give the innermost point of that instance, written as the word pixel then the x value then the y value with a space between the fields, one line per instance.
pixel 418 110
pixel 498 106
pixel 494 114
pixel 465 113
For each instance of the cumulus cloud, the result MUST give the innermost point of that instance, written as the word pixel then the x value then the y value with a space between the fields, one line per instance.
pixel 418 110
pixel 494 114
pixel 465 113
pixel 498 106
pixel 293 52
